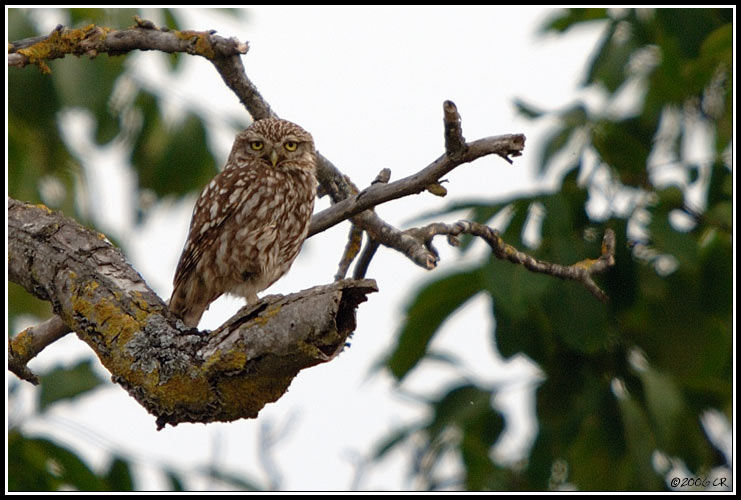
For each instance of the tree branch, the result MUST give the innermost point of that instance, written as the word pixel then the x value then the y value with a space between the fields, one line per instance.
pixel 92 40
pixel 224 54
pixel 581 271
pixel 183 375
pixel 177 374
pixel 376 194
pixel 27 344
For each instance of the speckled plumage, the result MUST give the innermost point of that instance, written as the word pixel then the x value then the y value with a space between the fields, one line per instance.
pixel 250 221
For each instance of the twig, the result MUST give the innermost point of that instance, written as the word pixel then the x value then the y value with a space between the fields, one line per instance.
pixel 355 239
pixel 354 242
pixel 581 271
pixel 455 143
pixel 503 145
pixel 361 267
pixel 31 341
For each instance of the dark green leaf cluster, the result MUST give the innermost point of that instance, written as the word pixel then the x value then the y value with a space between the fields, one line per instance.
pixel 631 379
pixel 42 464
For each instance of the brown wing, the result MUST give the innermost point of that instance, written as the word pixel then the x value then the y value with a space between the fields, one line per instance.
pixel 192 293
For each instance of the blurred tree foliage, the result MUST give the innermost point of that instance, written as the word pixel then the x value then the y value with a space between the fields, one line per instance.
pixel 625 383
pixel 622 380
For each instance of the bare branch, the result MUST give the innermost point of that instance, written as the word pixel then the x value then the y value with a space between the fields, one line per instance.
pixel 581 271
pixel 455 143
pixel 225 55
pixel 31 341
pixel 376 194
pixel 361 268
pixel 354 242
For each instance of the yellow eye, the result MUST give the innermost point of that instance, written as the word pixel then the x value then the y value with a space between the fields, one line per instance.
pixel 291 145
pixel 256 145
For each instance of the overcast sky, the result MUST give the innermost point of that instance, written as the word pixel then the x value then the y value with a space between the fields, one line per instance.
pixel 369 84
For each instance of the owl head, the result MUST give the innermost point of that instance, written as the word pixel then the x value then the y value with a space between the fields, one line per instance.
pixel 274 143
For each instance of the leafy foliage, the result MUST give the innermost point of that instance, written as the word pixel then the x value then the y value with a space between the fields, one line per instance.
pixel 631 378
pixel 65 383
pixel 37 464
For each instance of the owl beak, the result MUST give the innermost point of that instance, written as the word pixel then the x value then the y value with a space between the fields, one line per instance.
pixel 274 157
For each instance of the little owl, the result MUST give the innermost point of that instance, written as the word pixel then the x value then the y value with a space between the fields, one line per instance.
pixel 250 221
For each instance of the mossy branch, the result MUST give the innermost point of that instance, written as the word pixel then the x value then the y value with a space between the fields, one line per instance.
pixel 91 40
pixel 177 374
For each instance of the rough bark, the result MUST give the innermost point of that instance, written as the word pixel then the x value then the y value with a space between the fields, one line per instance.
pixel 177 374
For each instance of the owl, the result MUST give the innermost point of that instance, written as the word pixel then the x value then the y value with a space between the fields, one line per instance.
pixel 250 221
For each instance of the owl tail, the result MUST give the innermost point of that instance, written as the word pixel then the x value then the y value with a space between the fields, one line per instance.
pixel 188 306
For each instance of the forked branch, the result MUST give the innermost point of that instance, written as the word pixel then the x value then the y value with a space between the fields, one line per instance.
pixel 179 375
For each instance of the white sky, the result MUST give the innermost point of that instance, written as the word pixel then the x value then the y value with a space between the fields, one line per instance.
pixel 369 84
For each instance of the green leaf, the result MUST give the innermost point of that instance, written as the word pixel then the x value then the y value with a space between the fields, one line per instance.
pixel 608 64
pixel 67 383
pixel 552 145
pixel 71 79
pixel 528 110
pixel 468 409
pixel 641 443
pixel 119 476
pixel 716 271
pixel 568 18
pixel 665 405
pixel 392 440
pixel 432 306
pixel 36 464
pixel 175 481
pixel 171 159
pixel 458 407
pixel 625 146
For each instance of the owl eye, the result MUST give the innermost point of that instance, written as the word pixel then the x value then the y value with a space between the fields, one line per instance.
pixel 291 145
pixel 257 145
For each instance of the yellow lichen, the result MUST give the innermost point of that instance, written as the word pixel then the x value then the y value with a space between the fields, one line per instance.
pixel 222 361
pixel 244 397
pixel 585 264
pixel 62 42
pixel 111 321
pixel 43 207
pixel 182 390
pixel 21 344
pixel 202 46
pixel 265 317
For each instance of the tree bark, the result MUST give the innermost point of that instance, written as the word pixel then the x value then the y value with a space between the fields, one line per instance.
pixel 177 374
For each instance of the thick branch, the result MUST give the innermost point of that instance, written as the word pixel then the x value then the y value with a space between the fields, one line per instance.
pixel 178 375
